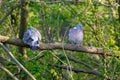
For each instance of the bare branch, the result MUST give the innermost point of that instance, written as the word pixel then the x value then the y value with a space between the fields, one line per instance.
pixel 77 70
pixel 100 3
pixel 2 60
pixel 17 62
pixel 80 62
pixel 50 46
pixel 8 72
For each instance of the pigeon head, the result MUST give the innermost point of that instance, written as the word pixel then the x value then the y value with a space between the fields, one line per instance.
pixel 79 26
pixel 32 38
pixel 30 28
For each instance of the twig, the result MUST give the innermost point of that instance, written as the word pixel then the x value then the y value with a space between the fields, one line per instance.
pixel 77 70
pixel 9 13
pixel 79 2
pixel 4 60
pixel 77 61
pixel 8 72
pixel 83 63
pixel 17 62
pixel 36 57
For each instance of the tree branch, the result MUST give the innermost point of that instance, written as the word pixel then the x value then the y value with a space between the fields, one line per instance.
pixel 23 24
pixel 80 62
pixel 8 72
pixel 50 46
pixel 17 62
pixel 100 3
pixel 9 13
pixel 77 70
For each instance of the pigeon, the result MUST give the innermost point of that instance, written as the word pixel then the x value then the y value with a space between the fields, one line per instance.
pixel 32 37
pixel 75 34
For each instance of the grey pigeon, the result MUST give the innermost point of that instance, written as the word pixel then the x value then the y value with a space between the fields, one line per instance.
pixel 75 34
pixel 32 37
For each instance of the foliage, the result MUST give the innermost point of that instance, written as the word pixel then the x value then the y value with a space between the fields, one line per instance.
pixel 53 19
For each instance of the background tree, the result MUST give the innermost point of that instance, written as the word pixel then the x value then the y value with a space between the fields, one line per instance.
pixel 23 23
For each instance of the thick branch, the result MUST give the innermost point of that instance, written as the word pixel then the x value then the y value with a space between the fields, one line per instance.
pixel 50 46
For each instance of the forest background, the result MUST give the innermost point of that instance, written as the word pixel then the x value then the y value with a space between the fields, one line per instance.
pixel 98 59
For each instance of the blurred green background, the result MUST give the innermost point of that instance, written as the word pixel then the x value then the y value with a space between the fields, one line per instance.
pixel 53 18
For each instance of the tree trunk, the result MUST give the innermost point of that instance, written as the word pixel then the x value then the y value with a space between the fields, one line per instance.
pixel 23 24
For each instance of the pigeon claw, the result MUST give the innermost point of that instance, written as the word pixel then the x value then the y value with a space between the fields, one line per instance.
pixel 34 47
